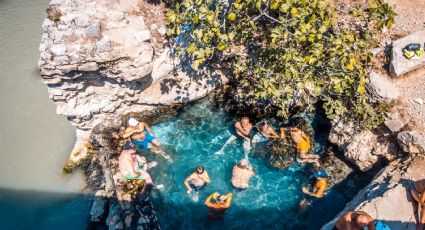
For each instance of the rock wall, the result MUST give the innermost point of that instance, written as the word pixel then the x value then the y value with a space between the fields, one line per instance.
pixel 387 197
pixel 98 62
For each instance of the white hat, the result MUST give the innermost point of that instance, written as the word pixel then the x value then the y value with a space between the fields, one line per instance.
pixel 133 122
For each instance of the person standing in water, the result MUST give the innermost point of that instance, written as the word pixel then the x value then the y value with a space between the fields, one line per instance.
pixel 218 204
pixel 243 128
pixel 241 174
pixel 197 179
pixel 303 145
pixel 319 188
pixel 134 167
pixel 142 136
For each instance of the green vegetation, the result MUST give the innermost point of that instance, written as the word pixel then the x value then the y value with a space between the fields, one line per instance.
pixel 286 52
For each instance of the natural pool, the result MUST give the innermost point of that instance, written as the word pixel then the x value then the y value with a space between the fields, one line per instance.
pixel 193 138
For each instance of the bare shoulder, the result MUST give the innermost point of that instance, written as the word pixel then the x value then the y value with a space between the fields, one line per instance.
pixel 238 124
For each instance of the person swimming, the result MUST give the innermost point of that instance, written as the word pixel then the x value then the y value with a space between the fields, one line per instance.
pixel 303 145
pixel 218 204
pixel 196 180
pixel 243 128
pixel 266 130
pixel 142 136
pixel 319 188
pixel 241 174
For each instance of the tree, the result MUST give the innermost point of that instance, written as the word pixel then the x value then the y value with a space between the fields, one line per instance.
pixel 288 52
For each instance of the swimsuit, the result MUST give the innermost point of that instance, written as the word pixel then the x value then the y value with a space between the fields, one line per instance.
pixel 303 145
pixel 145 142
pixel 138 169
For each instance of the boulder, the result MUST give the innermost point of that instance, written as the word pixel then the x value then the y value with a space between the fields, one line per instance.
pixel 387 197
pixel 394 125
pixel 400 65
pixel 411 142
pixel 380 88
pixel 359 150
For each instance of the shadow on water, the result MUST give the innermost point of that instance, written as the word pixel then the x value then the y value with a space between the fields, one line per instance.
pixel 27 209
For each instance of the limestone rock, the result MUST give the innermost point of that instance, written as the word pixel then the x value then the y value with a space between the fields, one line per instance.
pixel 394 125
pixel 387 197
pixel 399 64
pixel 359 150
pixel 380 88
pixel 99 63
pixel 411 142
pixel 98 207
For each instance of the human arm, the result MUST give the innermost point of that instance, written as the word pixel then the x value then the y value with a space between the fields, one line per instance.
pixel 228 199
pixel 187 182
pixel 208 202
pixel 240 131
pixel 305 190
pixel 142 161
pixel 129 131
pixel 422 199
pixel 144 125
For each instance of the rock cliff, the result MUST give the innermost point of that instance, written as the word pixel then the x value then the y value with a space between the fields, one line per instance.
pixel 99 62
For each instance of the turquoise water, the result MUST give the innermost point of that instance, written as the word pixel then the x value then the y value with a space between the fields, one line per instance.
pixel 271 201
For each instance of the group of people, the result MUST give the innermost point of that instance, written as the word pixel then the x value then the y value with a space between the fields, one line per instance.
pixel 135 167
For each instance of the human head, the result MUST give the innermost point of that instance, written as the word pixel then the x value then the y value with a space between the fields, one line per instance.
pixel 133 122
pixel 245 120
pixel 243 163
pixel 362 220
pixel 129 147
pixel 221 199
pixel 200 169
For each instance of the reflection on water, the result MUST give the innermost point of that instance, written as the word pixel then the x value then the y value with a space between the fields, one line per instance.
pixel 34 141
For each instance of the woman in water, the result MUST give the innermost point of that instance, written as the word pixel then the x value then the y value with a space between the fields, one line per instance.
pixel 218 204
pixel 302 142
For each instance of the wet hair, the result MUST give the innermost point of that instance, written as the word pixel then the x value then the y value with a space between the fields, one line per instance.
pixel 245 118
pixel 221 198
pixel 200 168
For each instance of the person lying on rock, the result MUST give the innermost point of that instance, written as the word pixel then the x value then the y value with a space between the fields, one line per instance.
pixel 241 174
pixel 355 220
pixel 302 142
pixel 198 179
pixel 134 167
pixel 243 128
pixel 142 136
pixel 319 188
pixel 218 204
pixel 418 194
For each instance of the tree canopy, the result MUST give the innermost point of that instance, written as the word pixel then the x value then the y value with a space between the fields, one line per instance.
pixel 286 52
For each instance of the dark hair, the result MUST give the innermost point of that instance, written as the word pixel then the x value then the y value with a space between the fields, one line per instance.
pixel 200 168
pixel 128 146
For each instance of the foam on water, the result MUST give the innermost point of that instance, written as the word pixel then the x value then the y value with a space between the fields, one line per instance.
pixel 193 138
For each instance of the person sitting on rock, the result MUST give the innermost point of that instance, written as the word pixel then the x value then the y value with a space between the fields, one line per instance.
pixel 418 194
pixel 197 179
pixel 241 174
pixel 243 128
pixel 355 220
pixel 218 204
pixel 134 167
pixel 303 145
pixel 142 136
pixel 265 132
pixel 319 188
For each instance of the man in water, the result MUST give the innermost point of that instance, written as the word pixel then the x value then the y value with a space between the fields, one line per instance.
pixel 266 130
pixel 142 136
pixel 355 220
pixel 242 172
pixel 418 193
pixel 197 179
pixel 319 188
pixel 218 204
pixel 134 167
pixel 243 128
pixel 303 145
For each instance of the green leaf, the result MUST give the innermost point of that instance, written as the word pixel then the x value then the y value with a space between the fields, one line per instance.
pixel 294 11
pixel 274 5
pixel 221 46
